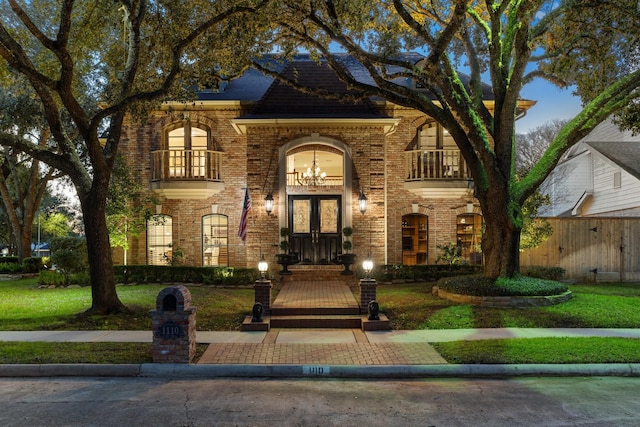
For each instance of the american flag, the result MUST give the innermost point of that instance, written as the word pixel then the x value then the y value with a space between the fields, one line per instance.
pixel 244 219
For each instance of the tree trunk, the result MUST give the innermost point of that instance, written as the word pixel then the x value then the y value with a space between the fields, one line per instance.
pixel 501 239
pixel 103 288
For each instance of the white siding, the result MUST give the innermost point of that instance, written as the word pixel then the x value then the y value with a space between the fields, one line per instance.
pixel 606 198
pixel 566 184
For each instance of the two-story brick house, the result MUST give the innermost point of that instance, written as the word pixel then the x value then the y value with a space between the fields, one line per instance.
pixel 314 158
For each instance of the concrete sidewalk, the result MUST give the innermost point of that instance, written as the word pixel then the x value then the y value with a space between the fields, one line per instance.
pixel 320 353
pixel 322 336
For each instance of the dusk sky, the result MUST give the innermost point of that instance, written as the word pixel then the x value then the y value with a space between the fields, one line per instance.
pixel 552 103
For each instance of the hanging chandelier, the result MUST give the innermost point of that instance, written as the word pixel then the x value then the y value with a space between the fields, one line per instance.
pixel 313 175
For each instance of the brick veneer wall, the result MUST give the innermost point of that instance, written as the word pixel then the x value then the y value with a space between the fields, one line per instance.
pixel 252 160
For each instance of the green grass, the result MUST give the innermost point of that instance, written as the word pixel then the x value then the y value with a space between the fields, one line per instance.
pixel 74 352
pixel 409 306
pixel 25 307
pixel 541 350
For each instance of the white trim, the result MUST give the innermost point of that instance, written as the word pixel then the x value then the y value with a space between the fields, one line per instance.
pixel 577 208
pixel 390 125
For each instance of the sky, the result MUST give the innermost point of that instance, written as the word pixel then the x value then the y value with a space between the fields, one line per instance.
pixel 551 103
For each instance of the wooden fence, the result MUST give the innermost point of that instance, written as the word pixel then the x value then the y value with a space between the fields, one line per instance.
pixel 591 249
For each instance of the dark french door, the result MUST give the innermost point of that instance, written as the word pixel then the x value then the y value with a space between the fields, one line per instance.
pixel 315 224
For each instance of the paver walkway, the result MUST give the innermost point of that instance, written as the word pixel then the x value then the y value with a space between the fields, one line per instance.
pixel 314 294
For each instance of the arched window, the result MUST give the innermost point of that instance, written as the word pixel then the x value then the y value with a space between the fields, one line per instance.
pixel 433 136
pixel 159 240
pixel 215 239
pixel 188 145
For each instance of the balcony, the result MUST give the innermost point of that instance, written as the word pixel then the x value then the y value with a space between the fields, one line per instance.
pixel 436 173
pixel 186 174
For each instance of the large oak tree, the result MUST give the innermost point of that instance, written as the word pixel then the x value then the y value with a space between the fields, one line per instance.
pixel 92 64
pixel 591 45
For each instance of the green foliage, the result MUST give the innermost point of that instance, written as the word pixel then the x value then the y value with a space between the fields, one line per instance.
pixel 127 211
pixel 220 276
pixel 518 286
pixel 541 272
pixel 284 243
pixel 69 255
pixel 52 278
pixel 425 273
pixel 451 254
pixel 32 264
pixel 347 232
pixel 10 267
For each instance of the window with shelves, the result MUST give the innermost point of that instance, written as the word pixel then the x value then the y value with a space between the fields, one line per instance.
pixel 159 240
pixel 469 236
pixel 414 239
pixel 215 239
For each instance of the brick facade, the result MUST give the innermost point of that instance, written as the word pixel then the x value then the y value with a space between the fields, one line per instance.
pixel 253 158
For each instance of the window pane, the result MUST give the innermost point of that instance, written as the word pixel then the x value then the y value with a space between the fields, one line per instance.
pixel 215 238
pixel 159 240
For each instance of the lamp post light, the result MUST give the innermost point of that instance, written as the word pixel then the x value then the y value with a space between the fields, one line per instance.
pixel 367 266
pixel 268 204
pixel 263 266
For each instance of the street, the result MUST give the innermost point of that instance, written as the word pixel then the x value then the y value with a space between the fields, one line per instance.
pixel 70 401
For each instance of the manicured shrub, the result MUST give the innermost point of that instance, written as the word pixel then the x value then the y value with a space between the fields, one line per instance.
pixel 227 276
pixel 32 264
pixel 551 273
pixel 478 285
pixel 10 267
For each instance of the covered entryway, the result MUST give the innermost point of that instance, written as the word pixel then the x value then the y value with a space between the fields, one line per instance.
pixel 315 222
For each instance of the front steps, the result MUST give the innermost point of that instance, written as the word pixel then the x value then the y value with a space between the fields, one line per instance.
pixel 318 298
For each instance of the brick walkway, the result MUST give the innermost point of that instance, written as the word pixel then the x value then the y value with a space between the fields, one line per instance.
pixel 330 348
pixel 315 293
pixel 316 354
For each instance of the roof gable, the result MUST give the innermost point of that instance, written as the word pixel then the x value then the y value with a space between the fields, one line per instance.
pixel 626 154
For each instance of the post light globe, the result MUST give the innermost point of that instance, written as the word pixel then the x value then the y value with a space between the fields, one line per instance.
pixel 367 266
pixel 263 266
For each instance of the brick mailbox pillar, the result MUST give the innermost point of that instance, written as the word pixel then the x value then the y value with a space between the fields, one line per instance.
pixel 367 293
pixel 174 326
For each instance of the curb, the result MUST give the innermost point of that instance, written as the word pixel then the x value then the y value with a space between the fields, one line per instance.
pixel 186 371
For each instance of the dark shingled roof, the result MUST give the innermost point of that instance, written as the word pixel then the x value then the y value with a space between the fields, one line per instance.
pixel 253 85
pixel 624 153
pixel 283 101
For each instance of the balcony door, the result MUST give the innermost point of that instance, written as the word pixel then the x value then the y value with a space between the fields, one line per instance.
pixel 315 225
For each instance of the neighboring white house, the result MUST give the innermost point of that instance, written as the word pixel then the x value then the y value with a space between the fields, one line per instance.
pixel 595 210
pixel 599 176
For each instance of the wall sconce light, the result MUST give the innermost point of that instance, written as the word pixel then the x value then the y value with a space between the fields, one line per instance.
pixel 594 229
pixel 263 266
pixel 268 204
pixel 367 266
pixel 362 202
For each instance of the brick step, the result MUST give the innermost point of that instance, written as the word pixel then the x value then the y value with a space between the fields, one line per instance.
pixel 317 321
pixel 315 311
